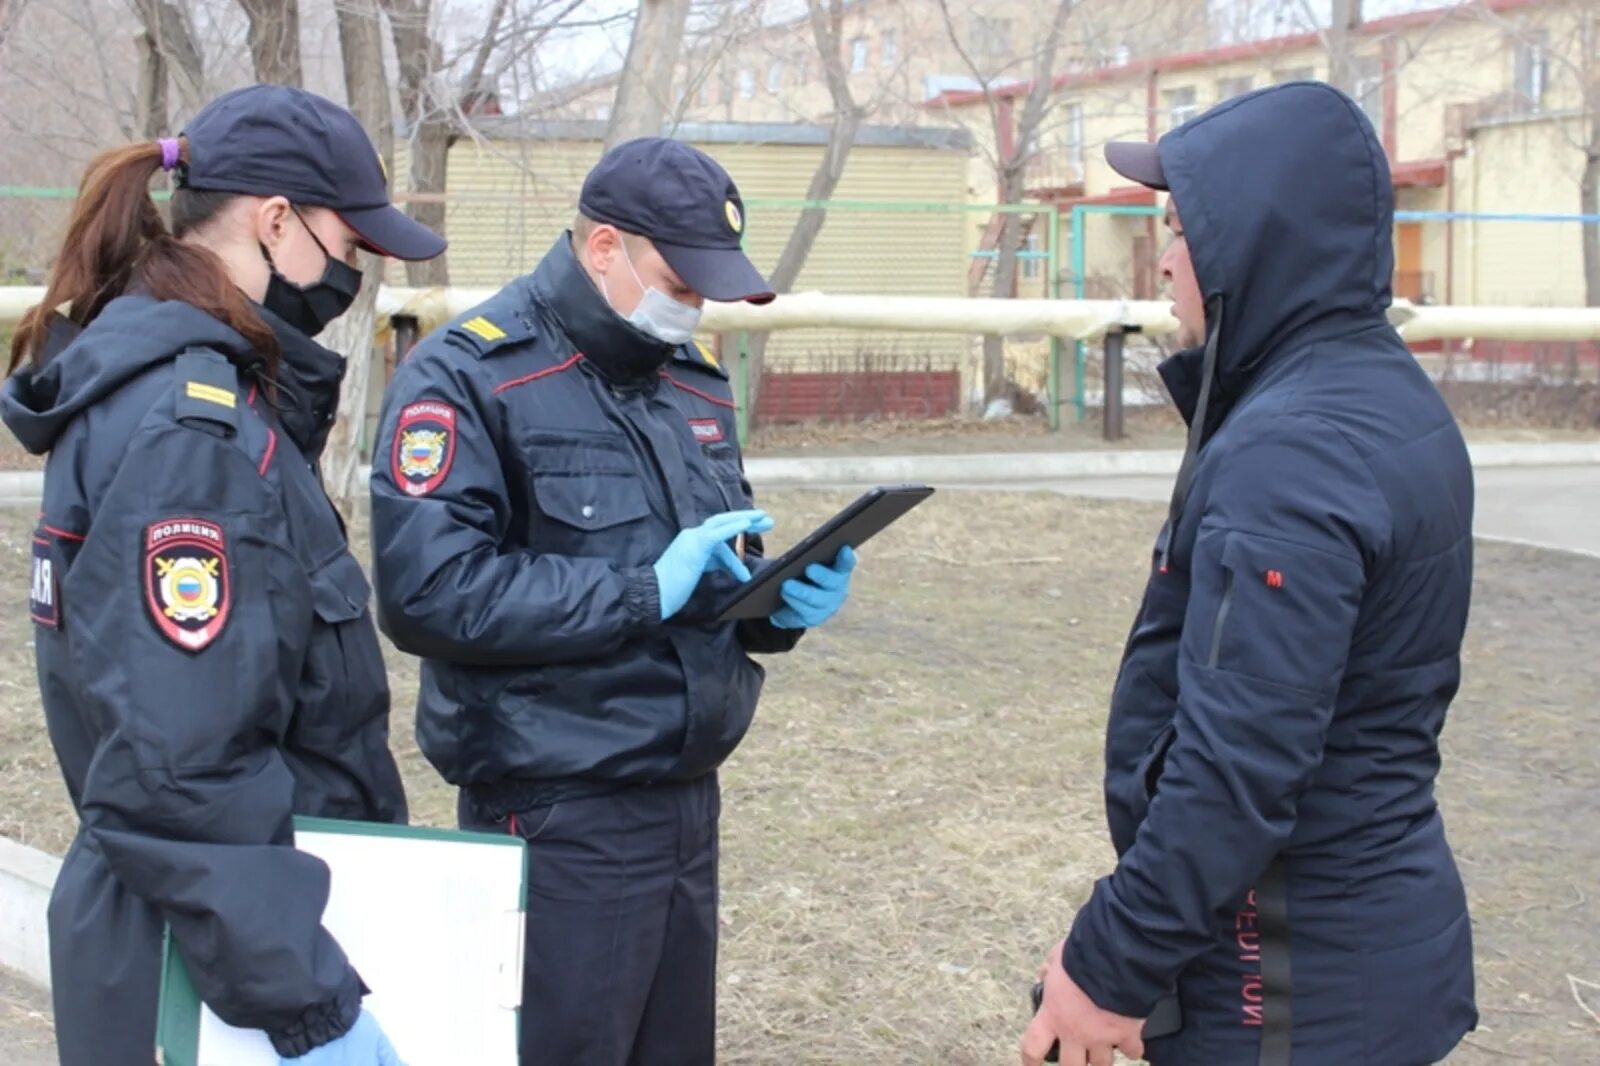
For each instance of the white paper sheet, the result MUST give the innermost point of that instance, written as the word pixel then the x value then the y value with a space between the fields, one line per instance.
pixel 434 929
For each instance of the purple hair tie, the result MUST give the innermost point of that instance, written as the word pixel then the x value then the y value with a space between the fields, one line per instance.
pixel 169 152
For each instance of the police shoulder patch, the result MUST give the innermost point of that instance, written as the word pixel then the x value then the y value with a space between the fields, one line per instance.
pixel 424 446
pixel 208 389
pixel 696 354
pixel 487 332
pixel 187 586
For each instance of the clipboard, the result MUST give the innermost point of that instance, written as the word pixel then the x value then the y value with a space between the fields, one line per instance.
pixel 446 991
pixel 854 526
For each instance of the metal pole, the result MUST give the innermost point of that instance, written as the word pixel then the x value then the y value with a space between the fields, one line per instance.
pixel 405 339
pixel 1053 282
pixel 1112 411
pixel 1081 351
pixel 742 415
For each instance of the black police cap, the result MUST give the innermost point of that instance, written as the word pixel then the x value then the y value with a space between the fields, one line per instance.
pixel 688 207
pixel 272 140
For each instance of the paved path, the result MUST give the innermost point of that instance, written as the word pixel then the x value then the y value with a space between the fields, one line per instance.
pixel 1553 507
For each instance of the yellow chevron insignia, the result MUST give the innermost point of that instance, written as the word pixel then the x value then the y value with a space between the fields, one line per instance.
pixel 483 328
pixel 210 393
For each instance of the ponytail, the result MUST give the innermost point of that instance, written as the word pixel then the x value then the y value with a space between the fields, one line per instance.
pixel 117 241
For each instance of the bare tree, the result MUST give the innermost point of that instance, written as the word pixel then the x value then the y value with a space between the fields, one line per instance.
pixel 827 31
pixel 644 92
pixel 152 100
pixel 174 49
pixel 275 40
pixel 1012 165
pixel 367 90
pixel 10 11
pixel 426 109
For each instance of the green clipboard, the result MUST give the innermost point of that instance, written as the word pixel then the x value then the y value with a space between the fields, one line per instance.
pixel 412 863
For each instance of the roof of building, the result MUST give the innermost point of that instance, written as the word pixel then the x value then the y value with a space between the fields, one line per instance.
pixel 1235 52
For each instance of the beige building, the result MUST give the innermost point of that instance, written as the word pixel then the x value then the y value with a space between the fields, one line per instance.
pixel 898 54
pixel 514 191
pixel 1479 106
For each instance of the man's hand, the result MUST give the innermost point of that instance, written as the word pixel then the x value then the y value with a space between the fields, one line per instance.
pixel 1086 1033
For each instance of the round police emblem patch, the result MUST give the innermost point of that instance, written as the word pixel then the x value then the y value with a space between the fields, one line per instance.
pixel 424 446
pixel 186 581
pixel 735 216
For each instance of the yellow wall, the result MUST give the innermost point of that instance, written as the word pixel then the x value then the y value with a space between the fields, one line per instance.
pixel 1531 167
pixel 510 199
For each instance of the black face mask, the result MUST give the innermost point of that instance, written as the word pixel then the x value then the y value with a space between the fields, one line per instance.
pixel 309 308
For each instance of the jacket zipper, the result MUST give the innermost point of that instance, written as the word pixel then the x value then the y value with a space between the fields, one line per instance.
pixel 1222 618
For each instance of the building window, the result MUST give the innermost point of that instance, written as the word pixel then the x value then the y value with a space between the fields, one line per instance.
pixel 1368 82
pixel 991 38
pixel 1228 88
pixel 775 78
pixel 703 96
pixel 1072 139
pixel 1032 265
pixel 602 112
pixel 727 85
pixel 888 48
pixel 858 55
pixel 1532 70
pixel 747 82
pixel 1294 74
pixel 1181 106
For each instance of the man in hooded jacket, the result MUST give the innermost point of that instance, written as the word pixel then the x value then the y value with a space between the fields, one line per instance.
pixel 1272 745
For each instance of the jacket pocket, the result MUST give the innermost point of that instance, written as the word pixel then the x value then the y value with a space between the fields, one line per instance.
pixel 593 502
pixel 1220 623
pixel 339 590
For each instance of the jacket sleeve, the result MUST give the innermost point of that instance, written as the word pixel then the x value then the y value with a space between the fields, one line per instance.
pixel 187 645
pixel 1276 583
pixel 447 586
pixel 759 635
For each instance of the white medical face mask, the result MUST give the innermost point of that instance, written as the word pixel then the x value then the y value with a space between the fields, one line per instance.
pixel 659 315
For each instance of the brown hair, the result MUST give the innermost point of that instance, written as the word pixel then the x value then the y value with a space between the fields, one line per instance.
pixel 117 240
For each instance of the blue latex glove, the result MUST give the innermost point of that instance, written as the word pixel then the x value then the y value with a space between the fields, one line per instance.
pixel 705 547
pixel 811 602
pixel 363 1045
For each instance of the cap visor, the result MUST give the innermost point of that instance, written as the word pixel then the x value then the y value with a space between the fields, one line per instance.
pixel 389 231
pixel 722 274
pixel 1137 161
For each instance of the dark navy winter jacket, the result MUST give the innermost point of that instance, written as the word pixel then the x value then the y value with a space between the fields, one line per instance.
pixel 209 668
pixel 1286 679
pixel 535 458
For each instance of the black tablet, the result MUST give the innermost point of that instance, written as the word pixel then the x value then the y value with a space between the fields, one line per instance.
pixel 762 595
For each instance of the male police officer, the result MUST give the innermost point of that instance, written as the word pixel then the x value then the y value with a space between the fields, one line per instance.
pixel 556 485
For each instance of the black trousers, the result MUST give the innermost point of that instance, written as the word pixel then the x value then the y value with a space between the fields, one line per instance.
pixel 621 951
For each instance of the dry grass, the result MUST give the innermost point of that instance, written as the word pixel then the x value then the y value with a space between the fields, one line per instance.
pixel 917 810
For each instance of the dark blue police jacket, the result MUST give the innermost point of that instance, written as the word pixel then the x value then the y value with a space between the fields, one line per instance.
pixel 1299 642
pixel 209 668
pixel 535 458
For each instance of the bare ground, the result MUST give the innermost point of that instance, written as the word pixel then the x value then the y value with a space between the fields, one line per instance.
pixel 917 812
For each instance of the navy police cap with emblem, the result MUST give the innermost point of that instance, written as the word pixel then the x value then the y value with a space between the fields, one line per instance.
pixel 273 140
pixel 688 207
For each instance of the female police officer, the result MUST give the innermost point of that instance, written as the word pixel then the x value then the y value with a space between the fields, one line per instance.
pixel 206 659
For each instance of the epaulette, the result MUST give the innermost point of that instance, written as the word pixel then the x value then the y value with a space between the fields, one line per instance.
pixel 208 390
pixel 696 354
pixel 484 333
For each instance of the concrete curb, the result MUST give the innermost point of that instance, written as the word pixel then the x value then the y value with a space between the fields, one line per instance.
pixel 1065 466
pixel 26 486
pixel 26 877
